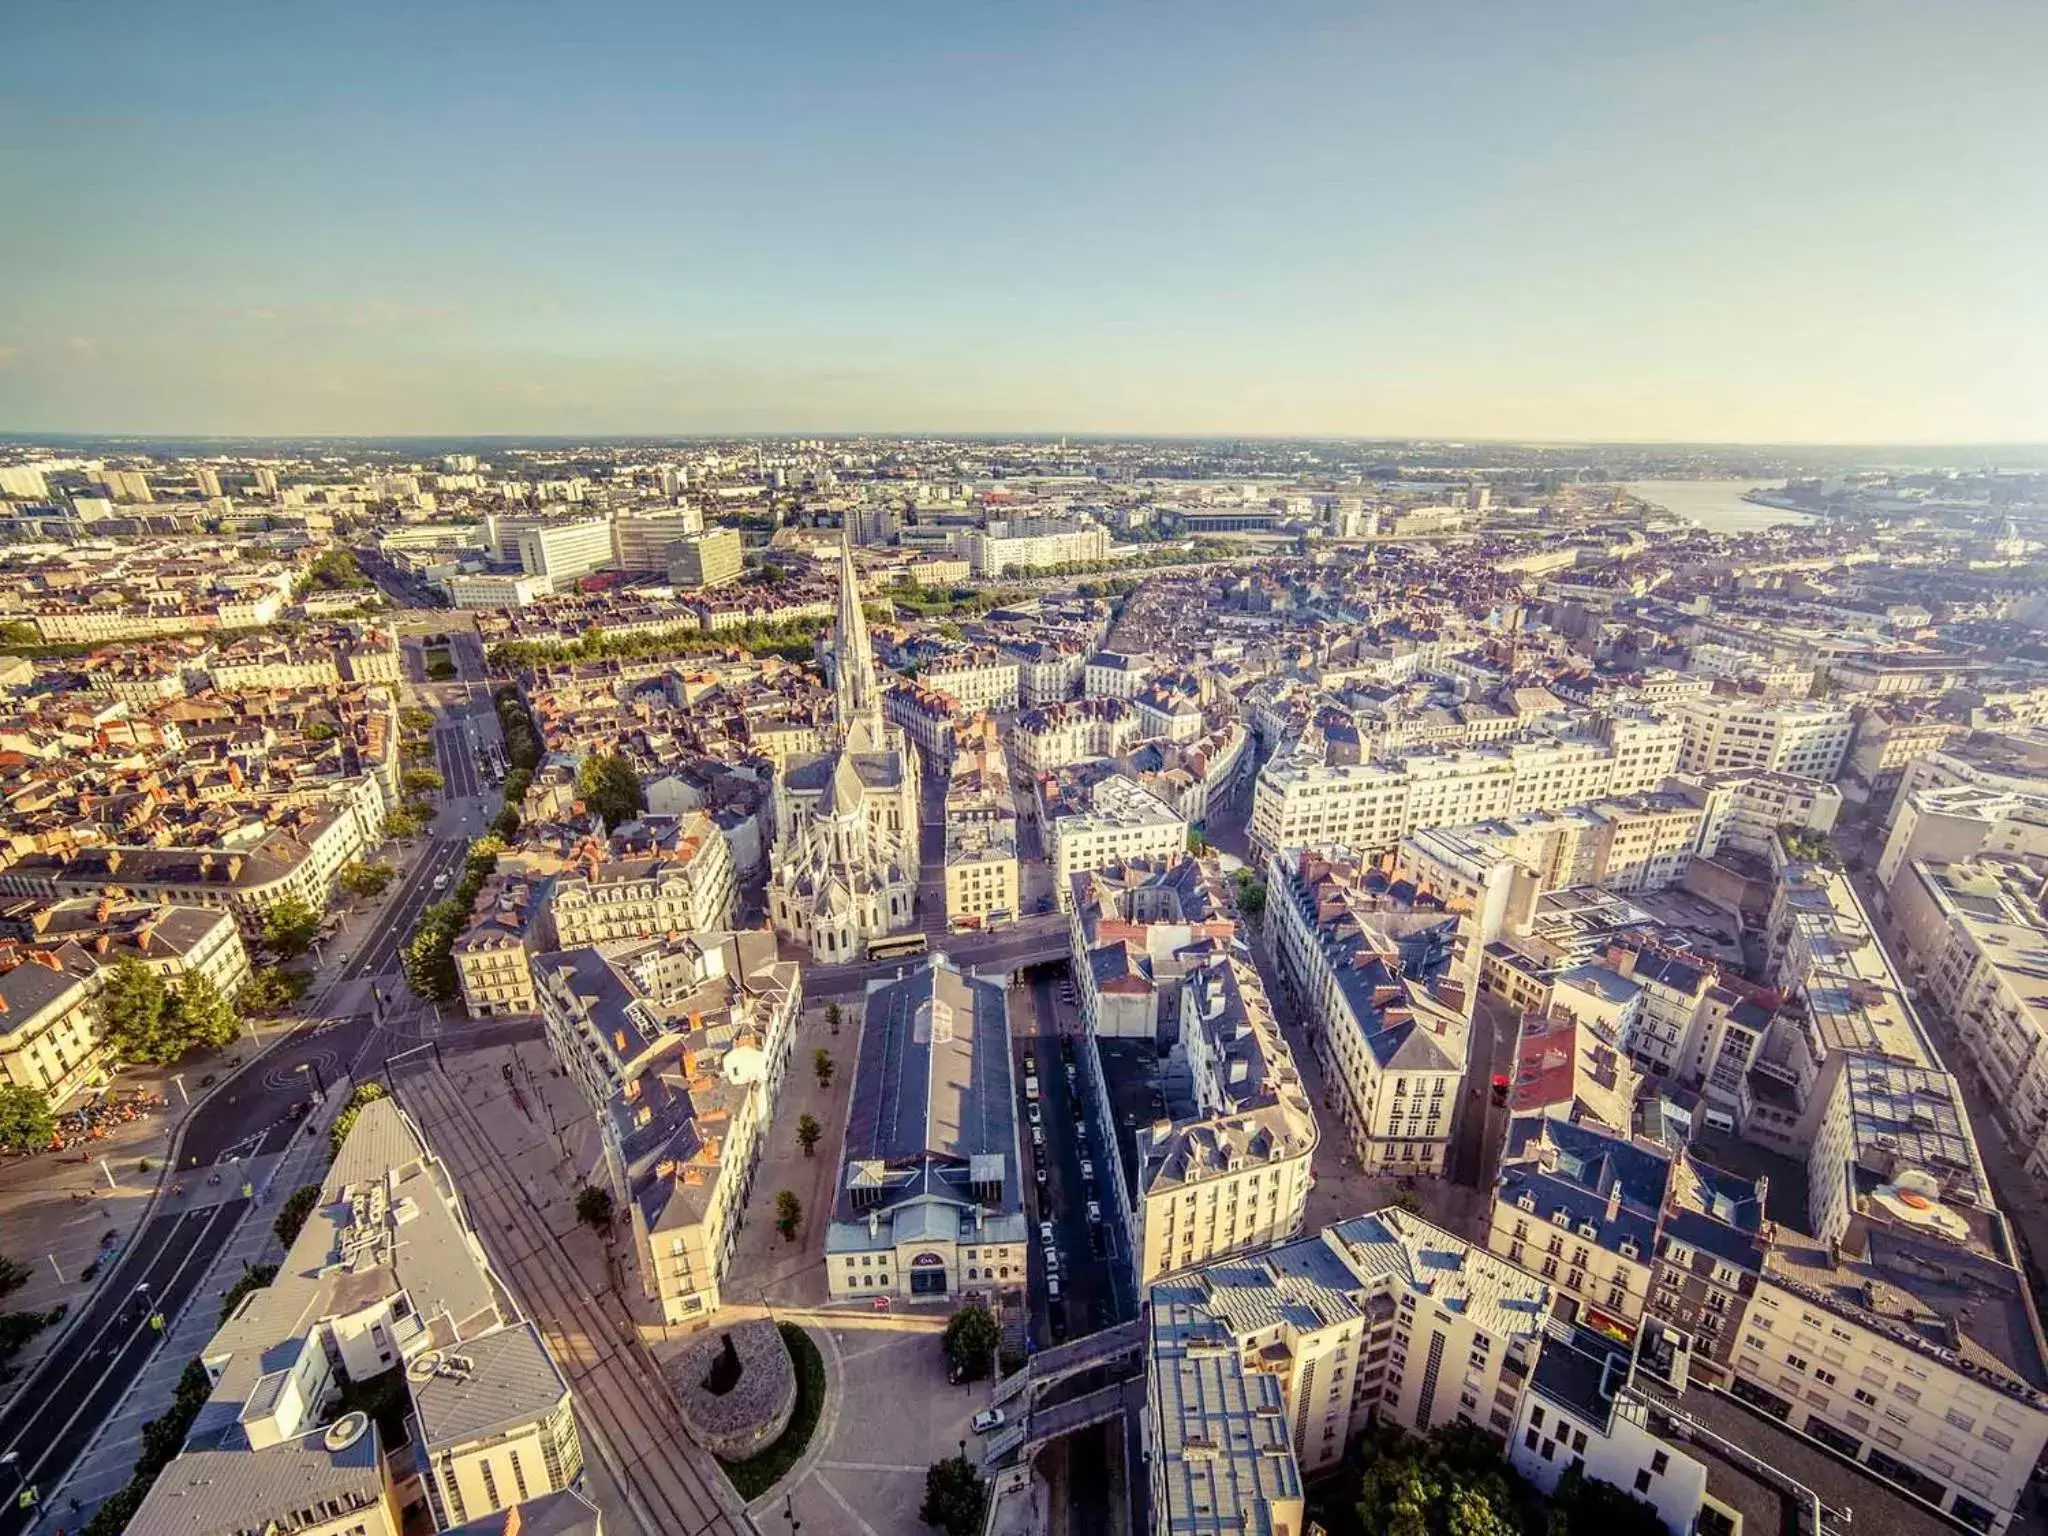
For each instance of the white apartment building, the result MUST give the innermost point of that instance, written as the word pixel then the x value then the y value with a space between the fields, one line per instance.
pixel 563 551
pixel 1744 808
pixel 1035 542
pixel 1115 822
pixel 686 884
pixel 1808 738
pixel 1977 945
pixel 1392 1051
pixel 679 1045
pixel 495 589
pixel 1235 1177
pixel 1960 821
pixel 975 679
pixel 1370 807
pixel 387 1274
pixel 1048 672
pixel 1114 675
pixel 1381 1316
pixel 1056 735
pixel 49 1029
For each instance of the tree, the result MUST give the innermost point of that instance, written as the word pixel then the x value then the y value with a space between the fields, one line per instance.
pixel 365 879
pixel 365 1093
pixel 821 1063
pixel 789 1214
pixel 25 1119
pixel 971 1337
pixel 417 781
pixel 594 1208
pixel 135 1014
pixel 272 989
pixel 291 926
pixel 292 1214
pixel 13 1275
pixel 252 1278
pixel 1197 844
pixel 1251 893
pixel 409 820
pixel 832 1016
pixel 206 1019
pixel 1583 1505
pixel 955 1497
pixel 807 1133
pixel 610 789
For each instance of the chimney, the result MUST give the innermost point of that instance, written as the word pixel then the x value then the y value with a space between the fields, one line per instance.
pixel 234 866
pixel 514 1522
pixel 1614 1198
pixel 145 936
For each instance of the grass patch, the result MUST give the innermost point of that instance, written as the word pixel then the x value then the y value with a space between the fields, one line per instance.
pixel 440 664
pixel 757 1474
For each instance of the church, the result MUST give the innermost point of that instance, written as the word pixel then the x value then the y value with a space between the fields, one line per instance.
pixel 844 869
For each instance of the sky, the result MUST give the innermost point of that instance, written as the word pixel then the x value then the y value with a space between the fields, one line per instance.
pixel 1723 221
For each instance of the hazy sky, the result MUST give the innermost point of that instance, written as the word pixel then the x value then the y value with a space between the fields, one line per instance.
pixel 1725 219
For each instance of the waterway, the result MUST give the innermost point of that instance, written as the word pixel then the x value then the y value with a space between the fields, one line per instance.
pixel 1716 505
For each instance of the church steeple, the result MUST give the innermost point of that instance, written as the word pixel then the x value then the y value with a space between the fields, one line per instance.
pixel 857 697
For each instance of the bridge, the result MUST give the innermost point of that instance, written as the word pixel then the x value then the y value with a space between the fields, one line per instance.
pixel 1049 1367
pixel 1039 1427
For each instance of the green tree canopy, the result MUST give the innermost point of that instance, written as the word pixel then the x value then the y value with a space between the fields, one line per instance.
pixel 971 1337
pixel 291 1216
pixel 594 1207
pixel 807 1133
pixel 361 878
pixel 955 1497
pixel 206 1019
pixel 789 1213
pixel 25 1118
pixel 610 789
pixel 135 1014
pixel 291 926
pixel 365 1093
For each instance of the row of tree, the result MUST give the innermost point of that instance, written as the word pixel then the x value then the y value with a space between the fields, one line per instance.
pixel 792 640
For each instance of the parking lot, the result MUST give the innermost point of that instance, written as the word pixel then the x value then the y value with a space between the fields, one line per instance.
pixel 1069 1147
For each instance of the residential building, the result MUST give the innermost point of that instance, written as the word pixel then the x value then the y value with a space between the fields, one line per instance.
pixel 1807 738
pixel 642 540
pixel 1136 928
pixel 680 1045
pixel 1234 1176
pixel 494 953
pixel 496 589
pixel 49 1028
pixel 1054 735
pixel 655 876
pixel 386 1275
pixel 980 859
pixel 1106 821
pixel 1392 1050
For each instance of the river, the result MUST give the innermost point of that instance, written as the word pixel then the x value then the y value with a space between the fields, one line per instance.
pixel 1716 505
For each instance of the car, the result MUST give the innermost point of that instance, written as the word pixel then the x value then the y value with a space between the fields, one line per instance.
pixel 1031 1090
pixel 1094 1212
pixel 1038 1136
pixel 441 881
pixel 1052 1286
pixel 988 1419
pixel 1087 1170
pixel 1045 1232
pixel 1034 1114
pixel 1040 1173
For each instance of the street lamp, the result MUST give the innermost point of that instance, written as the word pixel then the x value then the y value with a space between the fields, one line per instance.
pixel 319 1087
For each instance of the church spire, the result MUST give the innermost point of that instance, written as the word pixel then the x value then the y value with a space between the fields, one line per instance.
pixel 857 698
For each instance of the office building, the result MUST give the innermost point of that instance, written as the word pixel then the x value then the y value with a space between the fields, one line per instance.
pixel 563 551
pixel 709 559
pixel 1807 738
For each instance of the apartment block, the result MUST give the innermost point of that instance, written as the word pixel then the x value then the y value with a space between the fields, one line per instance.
pixel 982 872
pixel 387 1274
pixel 563 551
pixel 1807 738
pixel 1055 735
pixel 494 953
pixel 49 1031
pixel 1107 821
pixel 641 541
pixel 1381 1316
pixel 1137 928
pixel 677 878
pixel 1393 1051
pixel 1235 1176
pixel 679 1045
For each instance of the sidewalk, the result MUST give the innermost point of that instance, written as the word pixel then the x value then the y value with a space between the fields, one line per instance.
pixel 765 1267
pixel 110 1458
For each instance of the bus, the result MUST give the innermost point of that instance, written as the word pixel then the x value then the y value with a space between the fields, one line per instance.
pixel 896 946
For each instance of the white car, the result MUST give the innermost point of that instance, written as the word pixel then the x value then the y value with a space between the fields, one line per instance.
pixel 988 1419
pixel 1040 1173
pixel 1052 1286
pixel 1038 1135
pixel 1034 1114
pixel 1087 1170
pixel 1031 1089
pixel 1094 1211
pixel 441 881
pixel 1045 1233
pixel 1052 1260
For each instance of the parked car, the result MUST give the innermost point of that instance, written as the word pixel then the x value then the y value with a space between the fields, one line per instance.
pixel 988 1419
pixel 1038 1136
pixel 1052 1260
pixel 1087 1170
pixel 1052 1286
pixel 1039 1173
pixel 1045 1232
pixel 1031 1089
pixel 1094 1212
